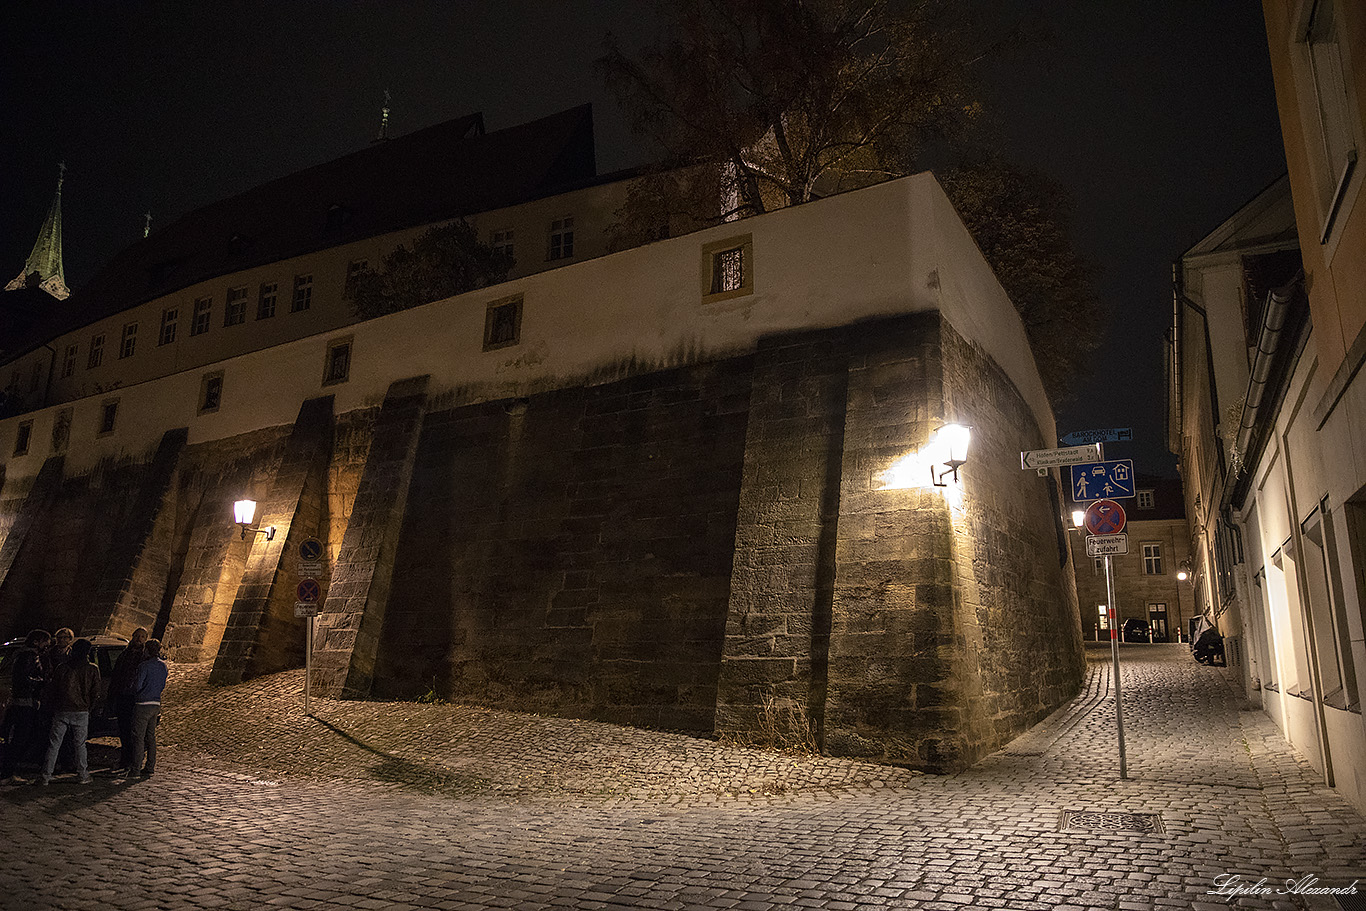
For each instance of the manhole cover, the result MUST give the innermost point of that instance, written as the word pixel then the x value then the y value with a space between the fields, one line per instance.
pixel 1101 821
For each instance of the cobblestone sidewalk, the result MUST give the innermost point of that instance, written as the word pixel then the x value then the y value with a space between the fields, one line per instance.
pixel 390 806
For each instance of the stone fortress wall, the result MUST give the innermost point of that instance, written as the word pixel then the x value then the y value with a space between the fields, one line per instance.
pixel 655 509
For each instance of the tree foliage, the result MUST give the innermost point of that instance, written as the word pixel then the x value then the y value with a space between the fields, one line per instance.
pixel 789 99
pixel 443 261
pixel 1021 220
pixel 760 104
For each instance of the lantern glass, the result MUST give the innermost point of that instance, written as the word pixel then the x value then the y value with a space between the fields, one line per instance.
pixel 244 511
pixel 953 443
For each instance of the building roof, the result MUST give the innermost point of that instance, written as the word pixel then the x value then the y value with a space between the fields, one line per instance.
pixel 442 172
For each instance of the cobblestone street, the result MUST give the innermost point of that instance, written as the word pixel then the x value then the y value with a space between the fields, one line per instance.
pixel 381 805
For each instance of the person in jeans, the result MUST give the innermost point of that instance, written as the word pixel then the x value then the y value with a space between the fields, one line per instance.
pixel 121 692
pixel 148 686
pixel 72 693
pixel 23 726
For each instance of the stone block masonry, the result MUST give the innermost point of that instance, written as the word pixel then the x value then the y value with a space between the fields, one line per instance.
pixel 346 638
pixel 25 515
pixel 262 634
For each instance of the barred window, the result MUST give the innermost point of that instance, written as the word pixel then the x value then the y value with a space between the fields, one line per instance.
pixel 728 270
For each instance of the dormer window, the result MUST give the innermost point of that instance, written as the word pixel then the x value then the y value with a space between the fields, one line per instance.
pixel 338 216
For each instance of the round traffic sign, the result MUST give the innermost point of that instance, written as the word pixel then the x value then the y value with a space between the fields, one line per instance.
pixel 1105 517
pixel 311 550
pixel 309 591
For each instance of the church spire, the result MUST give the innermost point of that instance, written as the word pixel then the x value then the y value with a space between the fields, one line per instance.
pixel 46 258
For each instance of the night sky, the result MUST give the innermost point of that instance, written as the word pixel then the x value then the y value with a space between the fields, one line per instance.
pixel 1158 116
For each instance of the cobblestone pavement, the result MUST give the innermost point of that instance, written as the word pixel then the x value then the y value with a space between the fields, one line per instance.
pixel 403 806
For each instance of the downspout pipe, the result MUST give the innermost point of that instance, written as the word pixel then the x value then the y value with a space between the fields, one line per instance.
pixel 1273 321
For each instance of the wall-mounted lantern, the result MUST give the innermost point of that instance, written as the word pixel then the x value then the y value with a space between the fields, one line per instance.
pixel 243 512
pixel 950 448
pixel 1184 571
pixel 1078 518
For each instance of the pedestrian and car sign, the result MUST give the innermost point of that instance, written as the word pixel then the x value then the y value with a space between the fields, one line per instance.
pixel 1052 458
pixel 1109 480
pixel 1109 435
pixel 1104 517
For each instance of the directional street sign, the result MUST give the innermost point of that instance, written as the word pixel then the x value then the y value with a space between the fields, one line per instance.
pixel 1110 480
pixel 1110 435
pixel 1104 517
pixel 1106 545
pixel 1052 458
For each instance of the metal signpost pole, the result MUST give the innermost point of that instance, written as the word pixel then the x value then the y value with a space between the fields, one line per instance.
pixel 308 663
pixel 1114 655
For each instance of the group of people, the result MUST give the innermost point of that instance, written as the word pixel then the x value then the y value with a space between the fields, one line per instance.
pixel 55 687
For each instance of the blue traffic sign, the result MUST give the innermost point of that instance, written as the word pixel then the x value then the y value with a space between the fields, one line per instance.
pixel 1110 480
pixel 1110 435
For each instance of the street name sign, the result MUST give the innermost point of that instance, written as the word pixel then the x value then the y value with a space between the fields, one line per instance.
pixel 1106 545
pixel 1109 435
pixel 1104 517
pixel 1053 458
pixel 1110 480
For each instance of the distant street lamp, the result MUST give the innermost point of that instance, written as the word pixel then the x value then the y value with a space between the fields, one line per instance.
pixel 243 512
pixel 1078 517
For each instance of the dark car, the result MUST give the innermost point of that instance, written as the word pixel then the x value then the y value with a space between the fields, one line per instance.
pixel 1136 630
pixel 106 651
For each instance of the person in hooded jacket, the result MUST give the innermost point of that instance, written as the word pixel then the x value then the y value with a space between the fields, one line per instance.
pixel 23 721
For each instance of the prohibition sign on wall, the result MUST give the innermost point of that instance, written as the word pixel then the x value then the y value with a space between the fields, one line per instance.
pixel 1105 517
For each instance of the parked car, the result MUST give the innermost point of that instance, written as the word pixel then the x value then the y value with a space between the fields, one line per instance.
pixel 1136 630
pixel 106 652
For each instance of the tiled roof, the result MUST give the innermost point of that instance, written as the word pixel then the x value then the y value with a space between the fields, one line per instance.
pixel 445 171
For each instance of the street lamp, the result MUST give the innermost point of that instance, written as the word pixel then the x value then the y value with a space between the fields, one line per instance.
pixel 950 447
pixel 1078 517
pixel 243 512
pixel 1184 572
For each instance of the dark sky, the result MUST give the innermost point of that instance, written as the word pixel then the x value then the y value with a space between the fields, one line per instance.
pixel 1158 116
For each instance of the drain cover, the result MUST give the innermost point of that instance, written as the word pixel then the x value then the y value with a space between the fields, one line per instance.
pixel 1103 821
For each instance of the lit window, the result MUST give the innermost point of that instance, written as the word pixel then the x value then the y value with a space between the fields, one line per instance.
pixel 503 323
pixel 1145 499
pixel 129 343
pixel 210 392
pixel 203 313
pixel 69 361
pixel 235 310
pixel 96 356
pixel 338 366
pixel 109 413
pixel 1152 559
pixel 562 238
pixel 22 436
pixel 169 316
pixel 303 293
pixel 265 303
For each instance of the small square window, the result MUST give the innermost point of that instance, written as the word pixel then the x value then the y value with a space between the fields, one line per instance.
pixel 235 310
pixel 22 437
pixel 210 392
pixel 561 238
pixel 96 352
pixel 503 323
pixel 265 303
pixel 728 268
pixel 354 270
pixel 338 366
pixel 109 414
pixel 129 343
pixel 69 361
pixel 1145 499
pixel 203 314
pixel 169 318
pixel 502 241
pixel 303 293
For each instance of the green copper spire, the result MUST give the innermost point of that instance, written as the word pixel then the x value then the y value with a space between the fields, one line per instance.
pixel 46 259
